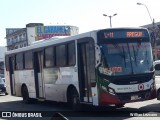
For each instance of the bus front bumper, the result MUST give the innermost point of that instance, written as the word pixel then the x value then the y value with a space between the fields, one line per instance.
pixel 121 98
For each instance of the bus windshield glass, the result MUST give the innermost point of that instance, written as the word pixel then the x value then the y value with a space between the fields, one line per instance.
pixel 127 58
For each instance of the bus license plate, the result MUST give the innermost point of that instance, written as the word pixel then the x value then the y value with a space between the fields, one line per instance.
pixel 134 97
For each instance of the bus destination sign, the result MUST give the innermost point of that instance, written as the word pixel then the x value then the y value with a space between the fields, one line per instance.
pixel 134 34
pixel 122 33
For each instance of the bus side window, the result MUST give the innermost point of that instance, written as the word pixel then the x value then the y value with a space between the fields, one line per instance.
pixel 19 61
pixel 71 54
pixel 49 57
pixel 61 58
pixel 28 60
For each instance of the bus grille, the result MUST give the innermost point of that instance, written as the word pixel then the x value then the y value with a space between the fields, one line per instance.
pixel 129 81
pixel 127 96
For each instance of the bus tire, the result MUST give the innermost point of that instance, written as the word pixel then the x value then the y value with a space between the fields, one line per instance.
pixel 25 95
pixel 119 105
pixel 158 94
pixel 73 100
pixel 6 93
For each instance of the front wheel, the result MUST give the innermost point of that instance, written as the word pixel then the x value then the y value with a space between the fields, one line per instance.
pixel 158 94
pixel 6 93
pixel 119 105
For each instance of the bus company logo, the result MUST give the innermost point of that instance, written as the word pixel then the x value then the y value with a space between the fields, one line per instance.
pixel 6 114
pixel 141 87
pixel 23 114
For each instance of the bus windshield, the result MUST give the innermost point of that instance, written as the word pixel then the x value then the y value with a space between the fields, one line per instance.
pixel 127 58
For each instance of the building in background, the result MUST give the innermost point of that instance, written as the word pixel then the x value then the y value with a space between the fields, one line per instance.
pixel 16 38
pixel 154 30
pixel 2 53
pixel 21 37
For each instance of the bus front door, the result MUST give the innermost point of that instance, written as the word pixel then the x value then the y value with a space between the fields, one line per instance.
pixel 11 74
pixel 38 70
pixel 85 60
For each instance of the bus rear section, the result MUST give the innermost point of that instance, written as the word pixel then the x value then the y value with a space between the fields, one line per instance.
pixel 125 73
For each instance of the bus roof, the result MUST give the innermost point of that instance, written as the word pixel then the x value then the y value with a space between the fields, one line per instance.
pixel 52 41
pixel 49 42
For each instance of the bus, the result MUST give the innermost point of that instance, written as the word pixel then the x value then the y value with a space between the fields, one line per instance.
pixel 111 66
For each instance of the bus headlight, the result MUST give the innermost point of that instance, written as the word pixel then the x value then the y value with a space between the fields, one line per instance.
pixel 108 89
pixel 152 86
pixel 111 91
pixel 104 88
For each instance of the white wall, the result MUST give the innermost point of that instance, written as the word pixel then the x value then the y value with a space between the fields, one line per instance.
pixel 3 49
pixel 31 35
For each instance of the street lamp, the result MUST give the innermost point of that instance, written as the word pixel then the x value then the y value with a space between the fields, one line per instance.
pixel 147 10
pixel 152 20
pixel 110 18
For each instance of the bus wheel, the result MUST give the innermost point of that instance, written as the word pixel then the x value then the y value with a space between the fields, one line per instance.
pixel 74 101
pixel 119 105
pixel 6 93
pixel 25 95
pixel 158 94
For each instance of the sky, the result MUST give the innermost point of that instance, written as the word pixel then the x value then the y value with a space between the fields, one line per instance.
pixel 85 14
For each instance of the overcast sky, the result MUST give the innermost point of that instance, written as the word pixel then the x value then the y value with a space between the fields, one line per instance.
pixel 85 14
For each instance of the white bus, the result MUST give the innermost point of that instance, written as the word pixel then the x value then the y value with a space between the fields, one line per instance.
pixel 101 67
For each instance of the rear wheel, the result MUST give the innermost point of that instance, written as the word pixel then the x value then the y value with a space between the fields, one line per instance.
pixel 25 95
pixel 73 100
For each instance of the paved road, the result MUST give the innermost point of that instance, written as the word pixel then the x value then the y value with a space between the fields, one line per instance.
pixel 147 108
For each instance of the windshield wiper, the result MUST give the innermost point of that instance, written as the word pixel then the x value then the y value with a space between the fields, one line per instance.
pixel 135 55
pixel 142 58
pixel 139 45
pixel 124 56
pixel 146 55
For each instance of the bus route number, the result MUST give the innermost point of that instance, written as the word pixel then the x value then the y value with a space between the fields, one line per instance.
pixel 108 35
